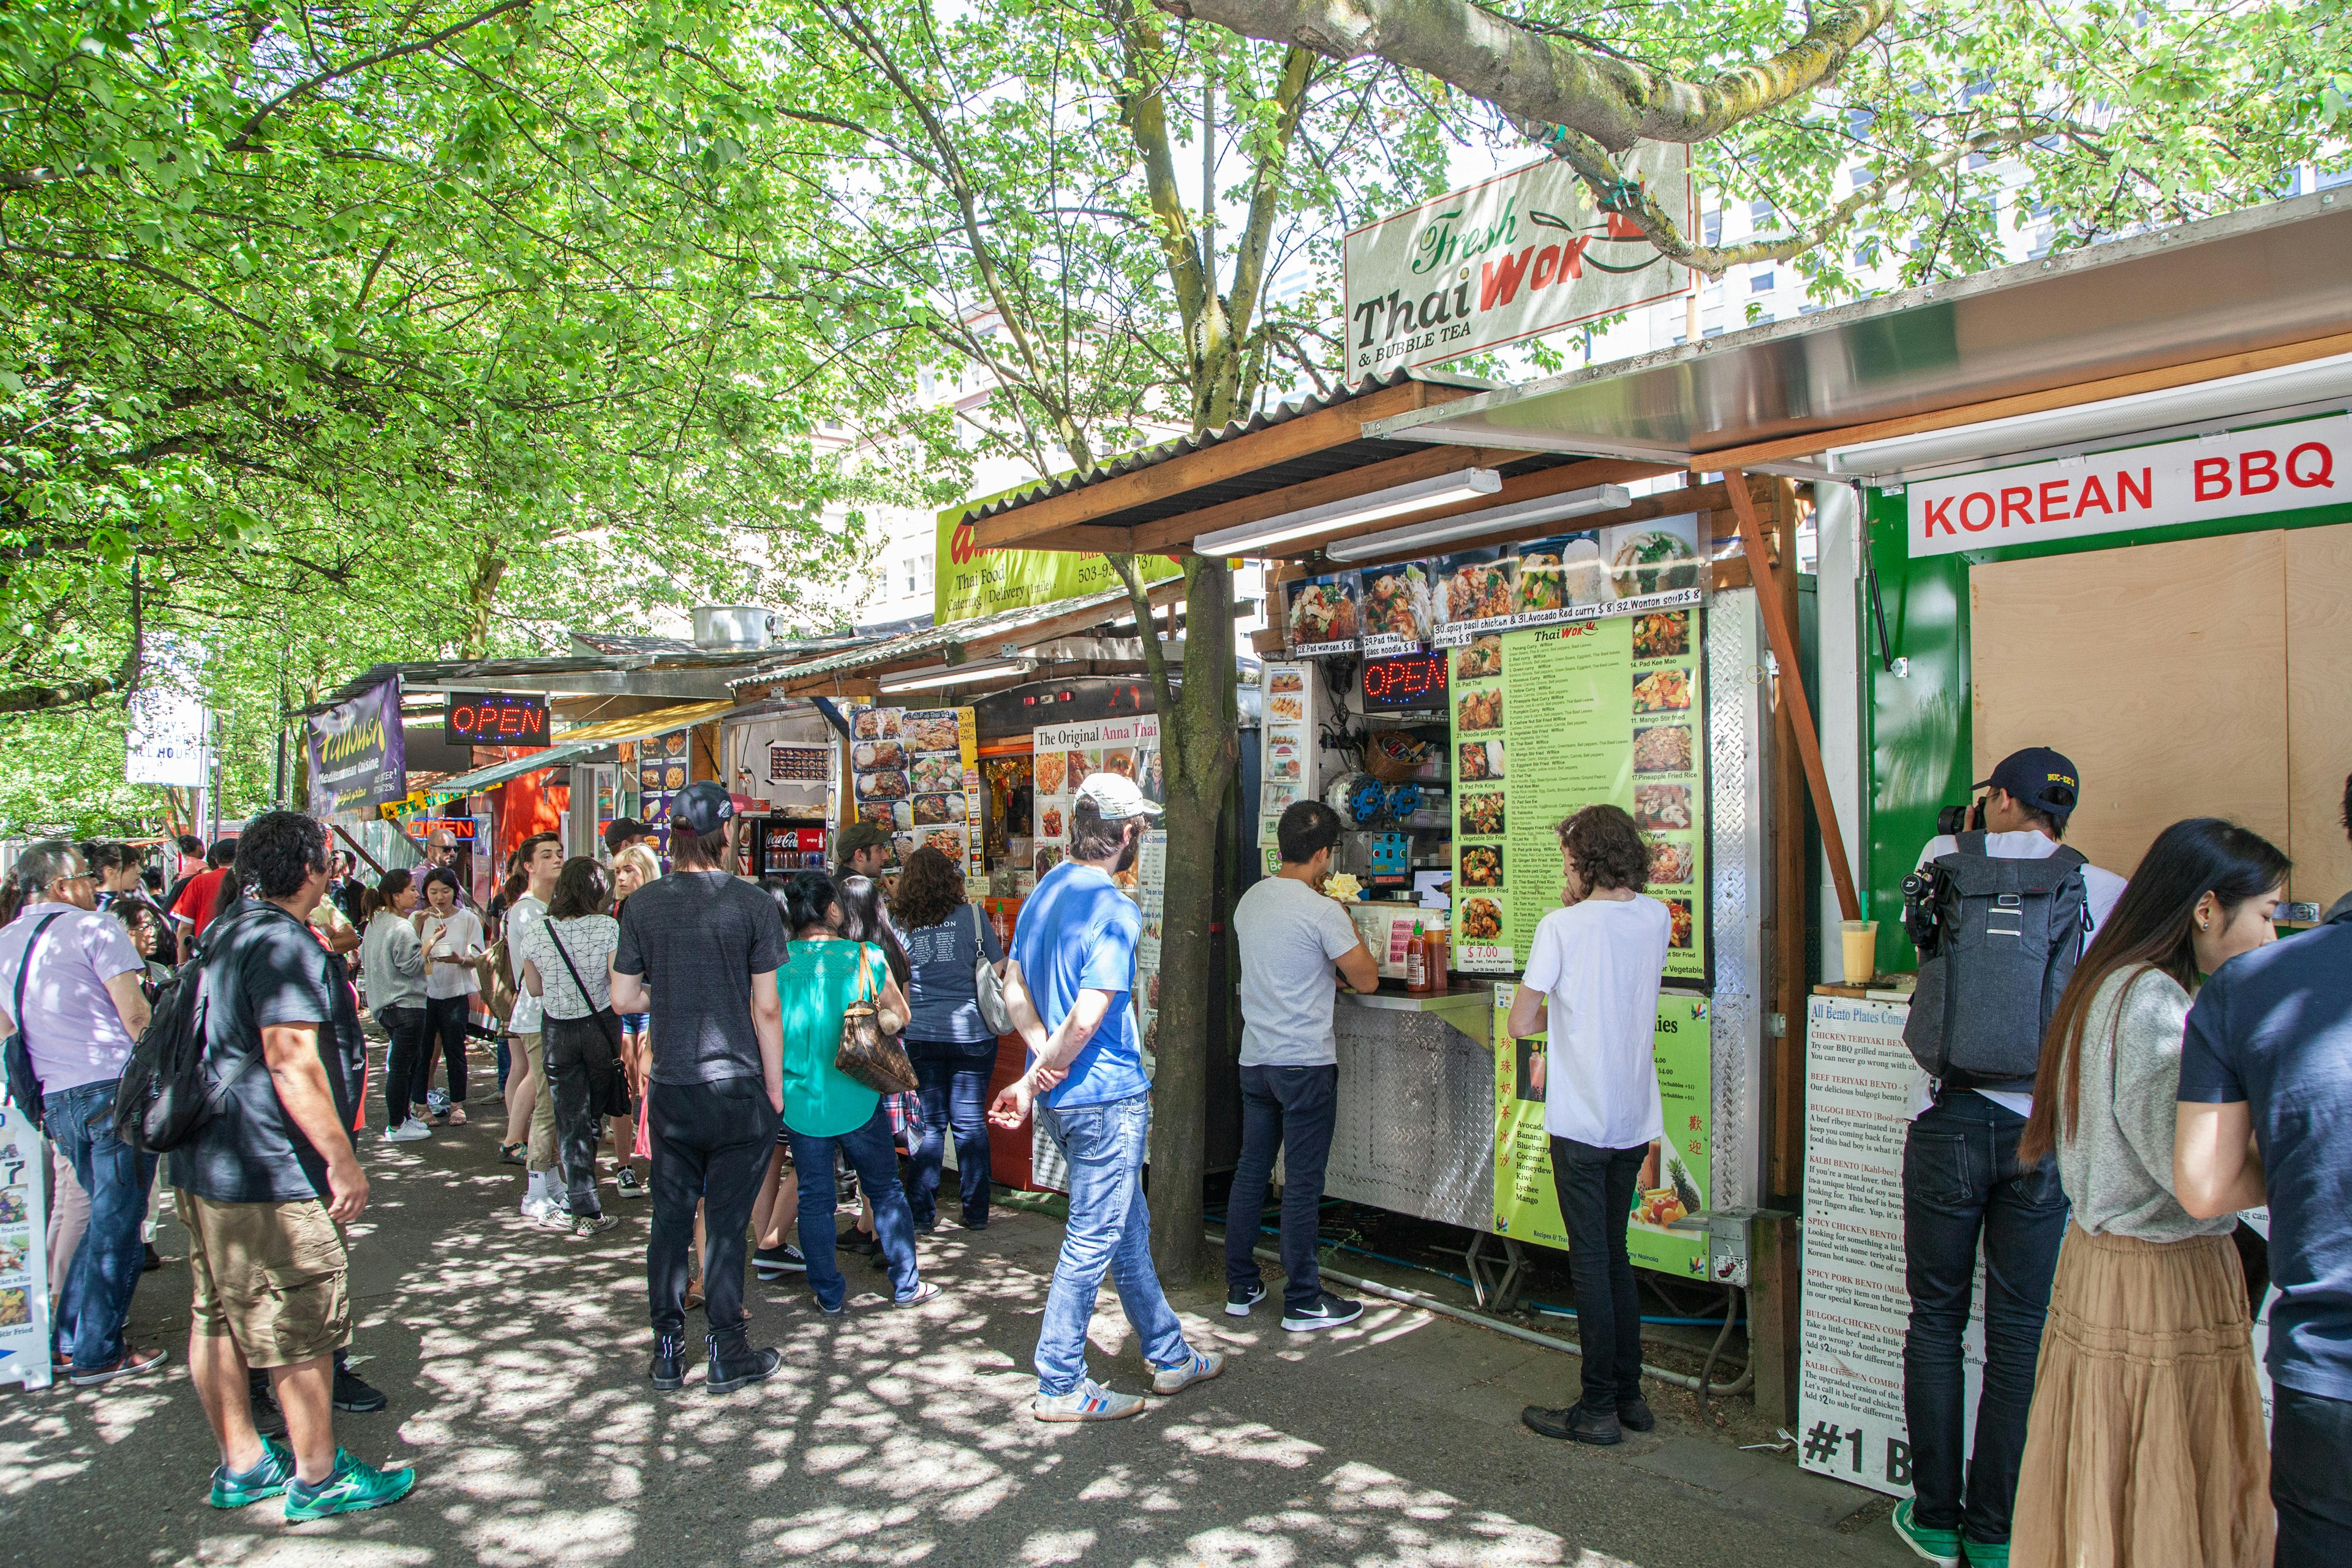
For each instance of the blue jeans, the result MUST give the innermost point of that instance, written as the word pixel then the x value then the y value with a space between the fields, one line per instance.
pixel 1961 1182
pixel 875 1160
pixel 1290 1110
pixel 953 1077
pixel 105 1267
pixel 1109 1230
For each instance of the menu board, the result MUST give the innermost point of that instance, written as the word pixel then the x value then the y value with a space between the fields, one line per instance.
pixel 1287 739
pixel 1062 756
pixel 909 777
pixel 1550 720
pixel 662 771
pixel 1675 1177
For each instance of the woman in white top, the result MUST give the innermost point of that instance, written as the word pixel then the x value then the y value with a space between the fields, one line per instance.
pixel 2145 1445
pixel 391 966
pixel 566 962
pixel 452 939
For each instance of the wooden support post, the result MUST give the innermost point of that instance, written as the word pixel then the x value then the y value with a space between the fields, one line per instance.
pixel 1784 943
pixel 1775 1301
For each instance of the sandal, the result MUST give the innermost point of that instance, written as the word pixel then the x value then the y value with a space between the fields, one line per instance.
pixel 456 1116
pixel 693 1297
pixel 511 1154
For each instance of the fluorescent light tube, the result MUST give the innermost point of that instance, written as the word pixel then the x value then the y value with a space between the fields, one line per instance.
pixel 958 674
pixel 1443 489
pixel 1520 514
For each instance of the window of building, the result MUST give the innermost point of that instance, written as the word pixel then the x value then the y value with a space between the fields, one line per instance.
pixel 1760 280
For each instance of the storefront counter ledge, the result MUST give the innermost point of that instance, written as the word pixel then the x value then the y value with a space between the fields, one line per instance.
pixel 1468 1007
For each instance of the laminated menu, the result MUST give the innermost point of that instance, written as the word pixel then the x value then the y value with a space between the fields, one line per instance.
pixel 1550 720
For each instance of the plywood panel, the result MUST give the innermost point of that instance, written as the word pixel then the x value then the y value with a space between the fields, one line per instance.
pixel 2160 669
pixel 2319 709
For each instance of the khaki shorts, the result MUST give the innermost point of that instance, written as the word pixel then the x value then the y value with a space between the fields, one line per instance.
pixel 274 1278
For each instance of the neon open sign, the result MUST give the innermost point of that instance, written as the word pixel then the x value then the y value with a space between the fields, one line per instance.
pixel 494 718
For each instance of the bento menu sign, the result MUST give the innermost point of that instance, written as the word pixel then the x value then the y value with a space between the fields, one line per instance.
pixel 1515 257
pixel 2280 468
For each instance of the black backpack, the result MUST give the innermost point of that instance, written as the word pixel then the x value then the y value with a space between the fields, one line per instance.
pixel 170 1086
pixel 1997 940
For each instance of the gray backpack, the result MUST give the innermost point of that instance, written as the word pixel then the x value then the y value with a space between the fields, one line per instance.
pixel 1997 940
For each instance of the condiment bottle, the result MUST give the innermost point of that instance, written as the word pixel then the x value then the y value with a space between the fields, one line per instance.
pixel 1434 957
pixel 1416 964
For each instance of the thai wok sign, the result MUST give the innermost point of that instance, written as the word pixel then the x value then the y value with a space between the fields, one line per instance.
pixel 1518 256
pixel 2278 468
pixel 358 757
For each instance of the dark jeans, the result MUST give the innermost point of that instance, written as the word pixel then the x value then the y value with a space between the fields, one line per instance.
pixel 403 1057
pixel 1596 1201
pixel 582 1072
pixel 445 1023
pixel 2311 1438
pixel 872 1155
pixel 710 1146
pixel 96 1301
pixel 953 1077
pixel 1290 1110
pixel 1962 1184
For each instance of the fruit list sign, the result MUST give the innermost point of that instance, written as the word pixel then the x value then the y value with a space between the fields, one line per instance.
pixel 1515 257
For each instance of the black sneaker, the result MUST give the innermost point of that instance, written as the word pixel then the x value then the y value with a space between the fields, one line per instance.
pixel 267 1418
pixel 775 1262
pixel 738 1367
pixel 1328 1312
pixel 1633 1415
pixel 859 1242
pixel 150 1260
pixel 668 1370
pixel 356 1395
pixel 1240 1299
pixel 1575 1424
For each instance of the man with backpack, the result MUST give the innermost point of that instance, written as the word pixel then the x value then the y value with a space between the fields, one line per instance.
pixel 1999 915
pixel 265 1182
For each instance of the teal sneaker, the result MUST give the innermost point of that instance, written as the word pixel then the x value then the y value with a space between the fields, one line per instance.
pixel 267 1478
pixel 1978 1555
pixel 1941 1547
pixel 352 1486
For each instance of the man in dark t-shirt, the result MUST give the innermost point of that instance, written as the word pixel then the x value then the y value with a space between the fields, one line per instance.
pixel 266 1186
pixel 699 951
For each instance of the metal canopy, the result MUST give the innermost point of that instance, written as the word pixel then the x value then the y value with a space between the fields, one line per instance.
pixel 578 741
pixel 1017 627
pixel 2249 291
pixel 687 674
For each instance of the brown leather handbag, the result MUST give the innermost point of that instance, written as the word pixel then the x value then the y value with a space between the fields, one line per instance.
pixel 869 1053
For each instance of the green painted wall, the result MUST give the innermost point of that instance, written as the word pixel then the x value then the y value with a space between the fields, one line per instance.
pixel 1915 726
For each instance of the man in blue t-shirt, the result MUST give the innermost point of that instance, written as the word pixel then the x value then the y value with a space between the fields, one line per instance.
pixel 2269 1051
pixel 1070 990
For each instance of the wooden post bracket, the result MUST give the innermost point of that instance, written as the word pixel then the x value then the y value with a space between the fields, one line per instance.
pixel 1783 637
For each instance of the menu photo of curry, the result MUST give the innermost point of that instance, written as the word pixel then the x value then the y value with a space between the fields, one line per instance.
pixel 1482 866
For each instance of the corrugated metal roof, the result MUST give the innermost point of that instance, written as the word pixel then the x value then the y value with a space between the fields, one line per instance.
pixel 577 743
pixel 1280 414
pixel 939 638
pixel 524 674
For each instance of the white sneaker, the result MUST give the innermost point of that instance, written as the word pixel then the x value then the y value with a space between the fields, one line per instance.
pixel 408 1132
pixel 1090 1401
pixel 538 1208
pixel 1199 1367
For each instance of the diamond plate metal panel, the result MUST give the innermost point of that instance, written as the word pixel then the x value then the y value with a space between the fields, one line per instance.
pixel 1735 695
pixel 1415 1132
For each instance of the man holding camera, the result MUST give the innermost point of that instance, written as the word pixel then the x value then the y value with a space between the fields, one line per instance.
pixel 1962 1184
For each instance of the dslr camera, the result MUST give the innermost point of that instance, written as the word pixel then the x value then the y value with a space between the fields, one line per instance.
pixel 1968 818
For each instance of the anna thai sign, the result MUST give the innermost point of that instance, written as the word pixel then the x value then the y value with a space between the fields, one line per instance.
pixel 358 757
pixel 2278 468
pixel 1515 257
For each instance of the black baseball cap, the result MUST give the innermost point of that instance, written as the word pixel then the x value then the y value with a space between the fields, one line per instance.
pixel 2041 778
pixel 621 829
pixel 704 805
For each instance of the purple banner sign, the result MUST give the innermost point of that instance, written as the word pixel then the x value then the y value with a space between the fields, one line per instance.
pixel 358 757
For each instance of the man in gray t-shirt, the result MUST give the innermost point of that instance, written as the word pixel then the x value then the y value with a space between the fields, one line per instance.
pixel 1291 937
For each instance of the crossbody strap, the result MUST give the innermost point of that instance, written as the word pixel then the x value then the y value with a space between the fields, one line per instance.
pixel 16 1007
pixel 585 1000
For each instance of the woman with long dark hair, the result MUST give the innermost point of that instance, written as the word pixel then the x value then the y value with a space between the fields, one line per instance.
pixel 2144 1445
pixel 453 940
pixel 392 967
pixel 954 1050
pixel 566 961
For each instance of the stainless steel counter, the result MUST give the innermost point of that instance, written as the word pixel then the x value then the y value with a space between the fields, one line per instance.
pixel 1415 1131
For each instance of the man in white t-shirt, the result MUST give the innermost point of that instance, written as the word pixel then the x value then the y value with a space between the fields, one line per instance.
pixel 1593 969
pixel 1962 1185
pixel 1291 937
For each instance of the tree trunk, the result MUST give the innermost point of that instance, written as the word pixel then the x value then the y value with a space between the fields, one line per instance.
pixel 1199 743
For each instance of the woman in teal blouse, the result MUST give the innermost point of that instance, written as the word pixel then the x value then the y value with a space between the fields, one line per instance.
pixel 825 1109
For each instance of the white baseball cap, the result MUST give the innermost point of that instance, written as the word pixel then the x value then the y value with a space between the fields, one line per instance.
pixel 1116 798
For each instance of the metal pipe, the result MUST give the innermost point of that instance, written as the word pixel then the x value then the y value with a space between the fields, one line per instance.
pixel 1430 1303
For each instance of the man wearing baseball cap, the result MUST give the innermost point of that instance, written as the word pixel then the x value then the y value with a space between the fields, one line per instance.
pixel 1070 987
pixel 623 831
pixel 1964 1141
pixel 860 849
pixel 699 949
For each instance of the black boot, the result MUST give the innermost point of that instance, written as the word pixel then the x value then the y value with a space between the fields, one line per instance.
pixel 734 1364
pixel 669 1361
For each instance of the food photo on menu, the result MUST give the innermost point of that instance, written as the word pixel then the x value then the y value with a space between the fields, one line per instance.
pixel 1396 602
pixel 1483 657
pixel 1662 691
pixel 1323 610
pixel 1663 749
pixel 1480 708
pixel 1474 586
pixel 1482 866
pixel 1661 633
pixel 934 730
pixel 1562 574
pixel 1475 759
pixel 874 724
pixel 1658 557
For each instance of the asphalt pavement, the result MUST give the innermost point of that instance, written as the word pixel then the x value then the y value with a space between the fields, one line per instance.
pixel 515 1359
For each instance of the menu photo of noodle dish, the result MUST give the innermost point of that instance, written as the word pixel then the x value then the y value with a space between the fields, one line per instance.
pixel 1323 615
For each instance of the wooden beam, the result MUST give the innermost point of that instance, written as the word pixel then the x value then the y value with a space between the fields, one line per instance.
pixel 1428 463
pixel 1781 628
pixel 1785 1103
pixel 1554 481
pixel 1728 458
pixel 1212 464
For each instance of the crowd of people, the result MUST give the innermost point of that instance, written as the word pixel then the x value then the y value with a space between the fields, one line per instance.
pixel 2188 1069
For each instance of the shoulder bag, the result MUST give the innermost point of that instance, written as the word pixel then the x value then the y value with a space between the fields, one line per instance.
pixel 987 988
pixel 24 1085
pixel 867 1053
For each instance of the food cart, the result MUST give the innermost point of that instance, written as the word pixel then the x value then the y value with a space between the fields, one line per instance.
pixel 2091 501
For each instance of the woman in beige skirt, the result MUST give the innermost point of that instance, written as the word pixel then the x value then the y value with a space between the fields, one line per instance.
pixel 2145 1447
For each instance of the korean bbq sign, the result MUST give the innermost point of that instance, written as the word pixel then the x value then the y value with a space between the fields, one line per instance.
pixel 2278 468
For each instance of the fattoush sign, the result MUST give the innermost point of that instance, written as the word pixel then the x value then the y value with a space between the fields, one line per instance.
pixel 1515 257
pixel 2279 467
